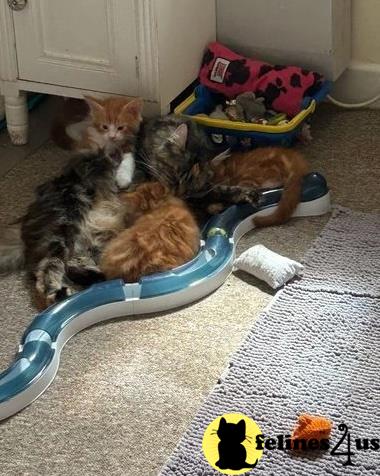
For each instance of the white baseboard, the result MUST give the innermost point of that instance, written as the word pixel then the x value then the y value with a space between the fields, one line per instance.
pixel 360 82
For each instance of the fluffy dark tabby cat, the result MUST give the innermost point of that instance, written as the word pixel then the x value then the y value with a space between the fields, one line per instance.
pixel 177 152
pixel 169 147
pixel 67 225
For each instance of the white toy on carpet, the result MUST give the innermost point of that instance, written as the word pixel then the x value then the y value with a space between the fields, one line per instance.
pixel 264 264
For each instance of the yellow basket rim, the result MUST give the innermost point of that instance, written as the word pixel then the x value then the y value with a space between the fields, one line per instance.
pixel 243 126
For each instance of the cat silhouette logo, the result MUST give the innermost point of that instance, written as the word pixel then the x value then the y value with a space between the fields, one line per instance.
pixel 229 444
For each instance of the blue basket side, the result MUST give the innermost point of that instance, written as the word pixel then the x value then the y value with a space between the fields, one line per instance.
pixel 319 96
pixel 260 138
pixel 206 100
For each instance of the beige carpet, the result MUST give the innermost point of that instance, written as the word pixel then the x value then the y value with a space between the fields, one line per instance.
pixel 127 390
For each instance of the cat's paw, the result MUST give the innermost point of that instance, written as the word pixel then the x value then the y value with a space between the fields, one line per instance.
pixel 249 196
pixel 216 208
pixel 126 171
pixel 305 136
pixel 83 273
pixel 59 295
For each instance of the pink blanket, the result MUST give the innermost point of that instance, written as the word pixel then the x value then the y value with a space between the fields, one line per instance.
pixel 283 87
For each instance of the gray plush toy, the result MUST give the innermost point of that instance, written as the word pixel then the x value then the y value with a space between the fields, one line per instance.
pixel 246 108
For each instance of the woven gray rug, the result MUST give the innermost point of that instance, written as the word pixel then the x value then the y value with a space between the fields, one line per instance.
pixel 315 350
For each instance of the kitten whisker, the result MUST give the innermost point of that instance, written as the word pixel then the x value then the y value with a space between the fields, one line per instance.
pixel 159 175
pixel 202 193
pixel 156 174
pixel 145 161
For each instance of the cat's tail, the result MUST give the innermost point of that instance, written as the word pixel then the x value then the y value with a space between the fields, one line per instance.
pixel 60 136
pixel 73 111
pixel 11 250
pixel 290 198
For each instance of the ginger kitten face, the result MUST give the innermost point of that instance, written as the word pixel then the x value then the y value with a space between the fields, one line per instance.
pixel 147 196
pixel 115 119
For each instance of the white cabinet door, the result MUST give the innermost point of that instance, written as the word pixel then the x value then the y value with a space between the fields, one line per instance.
pixel 87 44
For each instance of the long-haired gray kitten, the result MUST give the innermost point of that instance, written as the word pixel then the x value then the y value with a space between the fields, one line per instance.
pixel 168 148
pixel 66 227
pixel 178 152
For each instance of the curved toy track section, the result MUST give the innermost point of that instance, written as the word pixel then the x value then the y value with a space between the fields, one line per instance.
pixel 37 361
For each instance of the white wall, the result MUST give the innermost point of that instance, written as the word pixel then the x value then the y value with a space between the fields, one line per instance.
pixel 362 80
pixel 185 27
pixel 300 32
pixel 314 34
pixel 366 31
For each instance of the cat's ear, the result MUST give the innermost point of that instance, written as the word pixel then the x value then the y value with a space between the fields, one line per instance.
pixel 134 108
pixel 220 158
pixel 179 136
pixel 95 105
pixel 241 426
pixel 222 423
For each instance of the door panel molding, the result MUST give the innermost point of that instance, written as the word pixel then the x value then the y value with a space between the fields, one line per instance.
pixel 8 57
pixel 47 55
pixel 41 58
pixel 147 60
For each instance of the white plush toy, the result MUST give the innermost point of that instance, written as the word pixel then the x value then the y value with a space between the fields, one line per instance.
pixel 274 269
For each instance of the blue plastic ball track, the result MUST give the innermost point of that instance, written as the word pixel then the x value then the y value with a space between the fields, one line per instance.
pixel 37 361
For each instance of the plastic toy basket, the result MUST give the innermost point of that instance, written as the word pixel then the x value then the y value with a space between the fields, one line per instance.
pixel 203 101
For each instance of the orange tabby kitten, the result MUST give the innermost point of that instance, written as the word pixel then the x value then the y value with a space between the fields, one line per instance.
pixel 162 235
pixel 113 121
pixel 262 168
